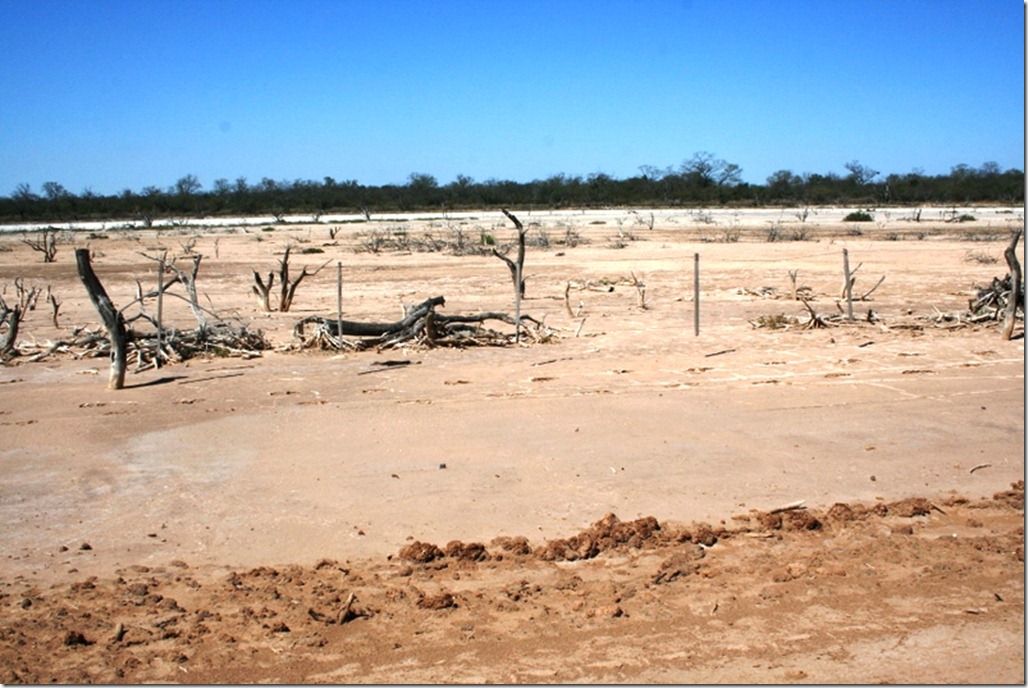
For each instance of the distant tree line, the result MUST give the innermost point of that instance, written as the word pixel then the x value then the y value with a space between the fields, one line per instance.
pixel 701 181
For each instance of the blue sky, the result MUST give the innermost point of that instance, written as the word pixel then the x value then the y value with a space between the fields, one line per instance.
pixel 112 95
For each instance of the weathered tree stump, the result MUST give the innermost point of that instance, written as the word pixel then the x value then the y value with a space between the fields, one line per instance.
pixel 112 318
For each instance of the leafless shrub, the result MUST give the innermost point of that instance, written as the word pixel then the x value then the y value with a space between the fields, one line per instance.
pixel 980 257
pixel 539 239
pixel 800 234
pixel 46 243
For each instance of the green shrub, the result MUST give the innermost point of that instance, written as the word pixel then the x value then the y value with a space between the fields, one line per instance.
pixel 859 216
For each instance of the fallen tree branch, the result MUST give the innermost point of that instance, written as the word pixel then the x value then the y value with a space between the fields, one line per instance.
pixel 422 325
pixel 788 507
pixel 816 321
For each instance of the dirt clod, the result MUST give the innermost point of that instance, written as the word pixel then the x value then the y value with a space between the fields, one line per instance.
pixel 421 552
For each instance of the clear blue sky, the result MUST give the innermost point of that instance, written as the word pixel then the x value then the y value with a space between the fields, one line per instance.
pixel 124 94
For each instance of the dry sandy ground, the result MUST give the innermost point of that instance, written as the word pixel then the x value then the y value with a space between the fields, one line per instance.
pixel 209 522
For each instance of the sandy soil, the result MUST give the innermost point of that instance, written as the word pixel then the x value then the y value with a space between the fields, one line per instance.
pixel 594 509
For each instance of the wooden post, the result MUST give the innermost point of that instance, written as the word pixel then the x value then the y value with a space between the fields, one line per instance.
pixel 696 294
pixel 160 307
pixel 339 302
pixel 849 284
pixel 113 320
pixel 1014 300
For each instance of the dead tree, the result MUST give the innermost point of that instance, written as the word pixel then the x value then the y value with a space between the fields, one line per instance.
pixel 112 318
pixel 11 317
pixel 45 243
pixel 287 288
pixel 517 268
pixel 1016 298
pixel 263 290
pixel 55 306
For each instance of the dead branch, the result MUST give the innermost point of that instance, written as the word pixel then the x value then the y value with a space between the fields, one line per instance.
pixel 142 353
pixel 347 613
pixel 863 297
pixel 816 321
pixel 853 278
pixel 188 280
pixel 791 506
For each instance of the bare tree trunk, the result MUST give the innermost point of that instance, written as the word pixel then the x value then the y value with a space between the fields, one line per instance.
pixel 160 307
pixel 517 268
pixel 55 305
pixel 1015 299
pixel 263 290
pixel 338 328
pixel 12 316
pixel 285 297
pixel 112 318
